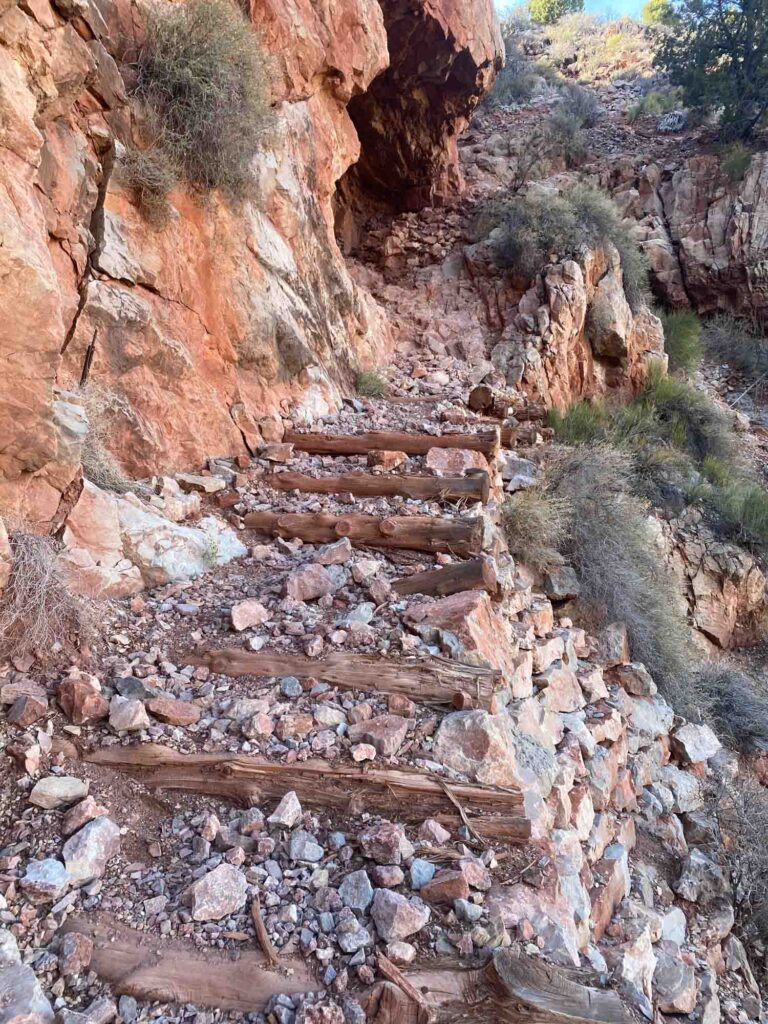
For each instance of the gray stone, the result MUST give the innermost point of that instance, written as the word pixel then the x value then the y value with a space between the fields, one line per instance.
pixel 287 813
pixel 356 890
pixel 674 984
pixel 22 1000
pixel 562 583
pixel 88 851
pixel 9 949
pixel 58 791
pixel 685 788
pixel 695 743
pixel 421 872
pixel 127 715
pixel 303 847
pixel 701 880
pixel 291 687
pixel 45 880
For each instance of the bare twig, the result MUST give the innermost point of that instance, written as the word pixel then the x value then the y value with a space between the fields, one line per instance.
pixel 262 934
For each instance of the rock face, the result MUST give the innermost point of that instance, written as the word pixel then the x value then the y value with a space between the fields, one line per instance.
pixel 706 236
pixel 223 316
pixel 443 55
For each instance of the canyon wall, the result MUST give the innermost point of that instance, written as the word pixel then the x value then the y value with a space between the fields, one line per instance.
pixel 706 236
pixel 197 334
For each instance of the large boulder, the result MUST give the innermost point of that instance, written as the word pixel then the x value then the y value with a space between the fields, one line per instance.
pixel 490 749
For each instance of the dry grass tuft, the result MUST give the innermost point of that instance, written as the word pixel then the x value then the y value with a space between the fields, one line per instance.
pixel 99 464
pixel 37 609
pixel 535 524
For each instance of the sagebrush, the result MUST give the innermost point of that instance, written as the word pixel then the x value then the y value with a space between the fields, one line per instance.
pixel 99 464
pixel 37 609
pixel 204 78
pixel 528 229
pixel 371 384
pixel 151 176
pixel 535 523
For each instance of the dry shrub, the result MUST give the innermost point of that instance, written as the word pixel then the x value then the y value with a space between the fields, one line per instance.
pixel 37 609
pixel 534 522
pixel 205 80
pixel 741 813
pixel 737 708
pixel 738 342
pixel 611 545
pixel 151 176
pixel 99 464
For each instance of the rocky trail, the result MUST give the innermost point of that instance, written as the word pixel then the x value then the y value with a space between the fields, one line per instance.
pixel 339 773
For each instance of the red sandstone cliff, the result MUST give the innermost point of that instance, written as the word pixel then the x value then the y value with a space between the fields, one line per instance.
pixel 227 315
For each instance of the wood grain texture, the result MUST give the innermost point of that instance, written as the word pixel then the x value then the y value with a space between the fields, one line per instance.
pixel 460 535
pixel 486 441
pixel 410 795
pixel 473 487
pixel 434 680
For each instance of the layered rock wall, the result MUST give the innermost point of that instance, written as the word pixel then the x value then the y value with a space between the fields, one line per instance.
pixel 706 236
pixel 196 332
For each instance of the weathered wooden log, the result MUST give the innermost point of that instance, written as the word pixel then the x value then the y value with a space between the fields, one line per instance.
pixel 142 965
pixel 495 814
pixel 485 441
pixel 477 574
pixel 433 680
pixel 460 535
pixel 473 487
pixel 511 987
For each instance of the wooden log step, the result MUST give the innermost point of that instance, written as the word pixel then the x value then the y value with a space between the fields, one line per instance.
pixel 477 574
pixel 485 441
pixel 404 794
pixel 171 970
pixel 460 535
pixel 473 487
pixel 511 987
pixel 434 680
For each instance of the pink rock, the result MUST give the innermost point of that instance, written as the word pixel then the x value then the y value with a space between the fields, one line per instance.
pixel 75 953
pixel 309 582
pixel 445 887
pixel 246 614
pixel 385 733
pixel 174 712
pixel 363 752
pixel 396 918
pixel 454 461
pixel 386 460
pixel 472 616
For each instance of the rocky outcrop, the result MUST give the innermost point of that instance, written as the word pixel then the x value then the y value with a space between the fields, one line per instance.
pixel 443 55
pixel 196 330
pixel 706 236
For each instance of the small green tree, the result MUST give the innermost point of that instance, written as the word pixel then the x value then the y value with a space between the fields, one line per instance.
pixel 718 53
pixel 658 12
pixel 547 12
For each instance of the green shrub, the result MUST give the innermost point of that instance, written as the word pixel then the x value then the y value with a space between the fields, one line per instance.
pixel 151 175
pixel 546 12
pixel 532 227
pixel 741 510
pixel 654 103
pixel 658 12
pixel 735 160
pixel 738 342
pixel 682 339
pixel 534 523
pixel 581 422
pixel 203 77
pixel 371 384
pixel 688 418
pixel 517 80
